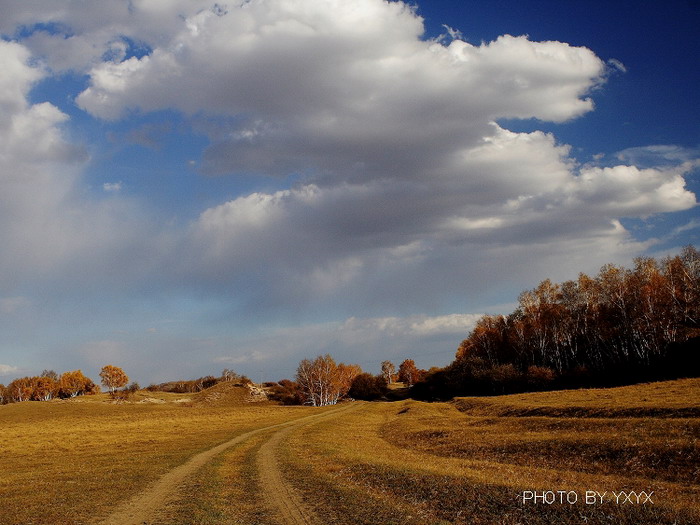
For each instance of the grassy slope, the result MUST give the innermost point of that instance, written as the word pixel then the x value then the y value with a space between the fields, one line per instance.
pixel 69 461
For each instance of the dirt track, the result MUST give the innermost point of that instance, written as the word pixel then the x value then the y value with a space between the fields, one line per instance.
pixel 278 494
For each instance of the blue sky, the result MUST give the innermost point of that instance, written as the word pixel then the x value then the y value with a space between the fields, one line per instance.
pixel 188 186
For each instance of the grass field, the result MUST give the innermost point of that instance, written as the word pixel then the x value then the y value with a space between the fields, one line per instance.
pixel 68 462
pixel 468 461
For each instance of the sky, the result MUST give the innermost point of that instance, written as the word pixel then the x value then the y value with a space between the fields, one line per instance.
pixel 187 186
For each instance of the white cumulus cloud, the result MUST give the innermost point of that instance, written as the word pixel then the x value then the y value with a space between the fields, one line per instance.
pixel 394 189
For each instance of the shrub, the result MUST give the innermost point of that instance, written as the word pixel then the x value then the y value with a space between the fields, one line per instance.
pixel 121 395
pixel 539 377
pixel 286 392
pixel 368 387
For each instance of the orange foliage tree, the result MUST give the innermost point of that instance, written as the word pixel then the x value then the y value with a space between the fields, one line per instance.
pixel 20 390
pixel 408 372
pixel 43 388
pixel 113 377
pixel 74 383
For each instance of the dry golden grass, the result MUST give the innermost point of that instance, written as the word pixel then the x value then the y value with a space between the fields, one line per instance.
pixel 665 398
pixel 466 462
pixel 414 462
pixel 70 462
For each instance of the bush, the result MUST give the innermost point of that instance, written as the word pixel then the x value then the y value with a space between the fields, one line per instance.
pixel 539 377
pixel 368 387
pixel 286 392
pixel 121 395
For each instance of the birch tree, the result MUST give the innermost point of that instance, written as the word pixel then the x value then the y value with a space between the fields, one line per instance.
pixel 323 382
pixel 388 371
pixel 113 377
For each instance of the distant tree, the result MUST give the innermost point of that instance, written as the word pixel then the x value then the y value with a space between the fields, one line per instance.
pixel 20 389
pixel 619 326
pixel 323 382
pixel 44 388
pixel 229 375
pixel 72 384
pixel 205 382
pixel 388 371
pixel 113 377
pixel 408 372
pixel 345 374
pixel 3 394
pixel 50 374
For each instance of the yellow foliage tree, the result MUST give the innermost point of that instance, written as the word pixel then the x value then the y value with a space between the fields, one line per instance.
pixel 113 377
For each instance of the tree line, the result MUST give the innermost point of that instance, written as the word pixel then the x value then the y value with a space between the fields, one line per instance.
pixel 322 381
pixel 50 385
pixel 620 326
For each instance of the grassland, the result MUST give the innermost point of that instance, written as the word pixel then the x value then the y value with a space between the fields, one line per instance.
pixel 470 461
pixel 407 462
pixel 69 462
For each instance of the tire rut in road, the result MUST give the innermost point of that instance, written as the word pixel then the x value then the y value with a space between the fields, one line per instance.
pixel 144 506
pixel 281 498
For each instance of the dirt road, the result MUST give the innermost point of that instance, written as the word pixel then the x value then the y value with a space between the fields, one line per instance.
pixel 277 493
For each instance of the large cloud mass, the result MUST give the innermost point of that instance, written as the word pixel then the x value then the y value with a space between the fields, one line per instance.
pixel 396 188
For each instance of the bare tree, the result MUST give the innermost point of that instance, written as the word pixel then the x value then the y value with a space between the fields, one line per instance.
pixel 323 382
pixel 388 371
pixel 229 375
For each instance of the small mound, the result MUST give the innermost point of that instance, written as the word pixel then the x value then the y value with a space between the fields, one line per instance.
pixel 151 400
pixel 230 393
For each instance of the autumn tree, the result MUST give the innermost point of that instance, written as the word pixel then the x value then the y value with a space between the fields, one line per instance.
pixel 388 371
pixel 620 325
pixel 345 375
pixel 113 377
pixel 44 388
pixel 408 372
pixel 72 384
pixel 20 390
